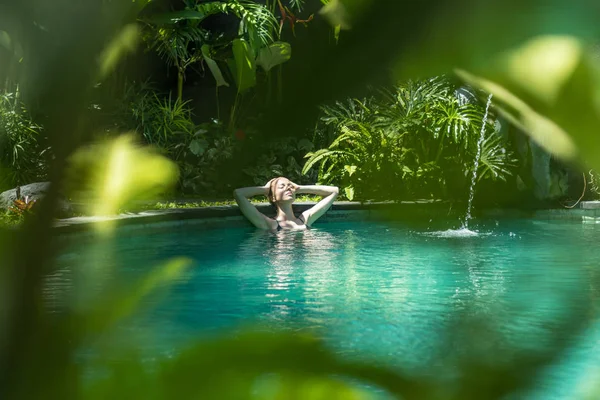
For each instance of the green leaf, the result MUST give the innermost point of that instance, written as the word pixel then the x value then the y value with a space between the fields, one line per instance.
pixel 5 40
pixel 273 55
pixel 198 146
pixel 12 46
pixel 336 14
pixel 349 191
pixel 243 66
pixel 546 132
pixel 351 169
pixel 124 42
pixel 321 155
pixel 305 145
pixel 212 65
pixel 176 16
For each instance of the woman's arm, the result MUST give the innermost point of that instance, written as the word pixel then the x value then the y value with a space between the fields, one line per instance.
pixel 256 217
pixel 315 212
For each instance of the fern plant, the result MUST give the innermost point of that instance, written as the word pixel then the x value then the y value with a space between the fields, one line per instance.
pixel 417 136
pixel 496 163
pixel 361 157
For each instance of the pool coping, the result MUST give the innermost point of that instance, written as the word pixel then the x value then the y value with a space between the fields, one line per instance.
pixel 230 215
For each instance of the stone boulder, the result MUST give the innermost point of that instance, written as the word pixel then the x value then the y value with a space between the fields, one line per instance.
pixel 35 191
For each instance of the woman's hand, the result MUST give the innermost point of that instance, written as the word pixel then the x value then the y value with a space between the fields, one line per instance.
pixel 268 184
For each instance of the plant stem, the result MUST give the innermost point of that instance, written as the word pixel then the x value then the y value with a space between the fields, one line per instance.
pixel 218 106
pixel 180 84
pixel 440 147
pixel 233 111
pixel 280 84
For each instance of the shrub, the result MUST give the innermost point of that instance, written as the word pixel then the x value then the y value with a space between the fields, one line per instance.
pixel 417 140
pixel 22 157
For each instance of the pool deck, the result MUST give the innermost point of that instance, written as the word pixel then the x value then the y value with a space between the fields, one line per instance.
pixel 230 215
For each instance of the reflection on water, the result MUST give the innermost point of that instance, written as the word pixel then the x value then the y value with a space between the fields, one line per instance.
pixel 371 290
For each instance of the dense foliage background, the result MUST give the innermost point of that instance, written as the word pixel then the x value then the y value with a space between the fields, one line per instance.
pixel 202 82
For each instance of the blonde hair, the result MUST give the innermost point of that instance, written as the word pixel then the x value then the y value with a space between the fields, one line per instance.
pixel 271 196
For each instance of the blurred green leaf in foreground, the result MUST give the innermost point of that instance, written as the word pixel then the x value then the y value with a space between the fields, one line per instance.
pixel 533 56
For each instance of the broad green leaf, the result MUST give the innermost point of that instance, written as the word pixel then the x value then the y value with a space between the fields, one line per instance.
pixel 542 65
pixel 336 32
pixel 198 146
pixel 335 12
pixel 273 55
pixel 349 191
pixel 543 130
pixel 549 86
pixel 243 66
pixel 305 145
pixel 213 66
pixel 351 169
pixel 118 172
pixel 11 45
pixel 481 38
pixel 5 40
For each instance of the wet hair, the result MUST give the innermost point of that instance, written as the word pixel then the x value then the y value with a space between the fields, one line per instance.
pixel 271 195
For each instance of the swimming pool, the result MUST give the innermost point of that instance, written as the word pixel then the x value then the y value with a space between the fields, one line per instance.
pixel 390 291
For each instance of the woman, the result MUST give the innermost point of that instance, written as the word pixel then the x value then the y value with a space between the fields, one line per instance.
pixel 282 192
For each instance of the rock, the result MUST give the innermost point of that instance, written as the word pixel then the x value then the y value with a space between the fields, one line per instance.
pixel 35 191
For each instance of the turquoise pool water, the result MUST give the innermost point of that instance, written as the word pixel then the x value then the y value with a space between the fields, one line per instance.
pixel 389 291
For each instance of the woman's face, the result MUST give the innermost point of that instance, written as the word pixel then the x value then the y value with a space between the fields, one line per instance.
pixel 284 191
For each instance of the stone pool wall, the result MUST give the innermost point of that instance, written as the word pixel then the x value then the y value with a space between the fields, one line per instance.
pixel 230 216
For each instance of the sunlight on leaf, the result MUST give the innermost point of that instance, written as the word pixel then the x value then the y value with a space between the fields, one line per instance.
pixel 544 131
pixel 119 172
pixel 349 191
pixel 543 65
pixel 351 169
pixel 336 14
pixel 124 42
pixel 243 66
pixel 11 45
pixel 213 66
pixel 5 40
pixel 274 55
pixel 442 43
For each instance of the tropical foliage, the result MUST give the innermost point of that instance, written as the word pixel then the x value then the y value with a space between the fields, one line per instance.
pixel 281 157
pixel 23 158
pixel 418 140
pixel 182 40
pixel 551 101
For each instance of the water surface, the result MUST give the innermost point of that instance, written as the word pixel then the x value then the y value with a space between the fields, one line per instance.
pixel 394 291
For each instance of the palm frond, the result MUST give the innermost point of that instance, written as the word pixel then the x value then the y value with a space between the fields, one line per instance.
pixel 257 20
pixel 297 4
pixel 176 43
pixel 496 162
pixel 321 155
